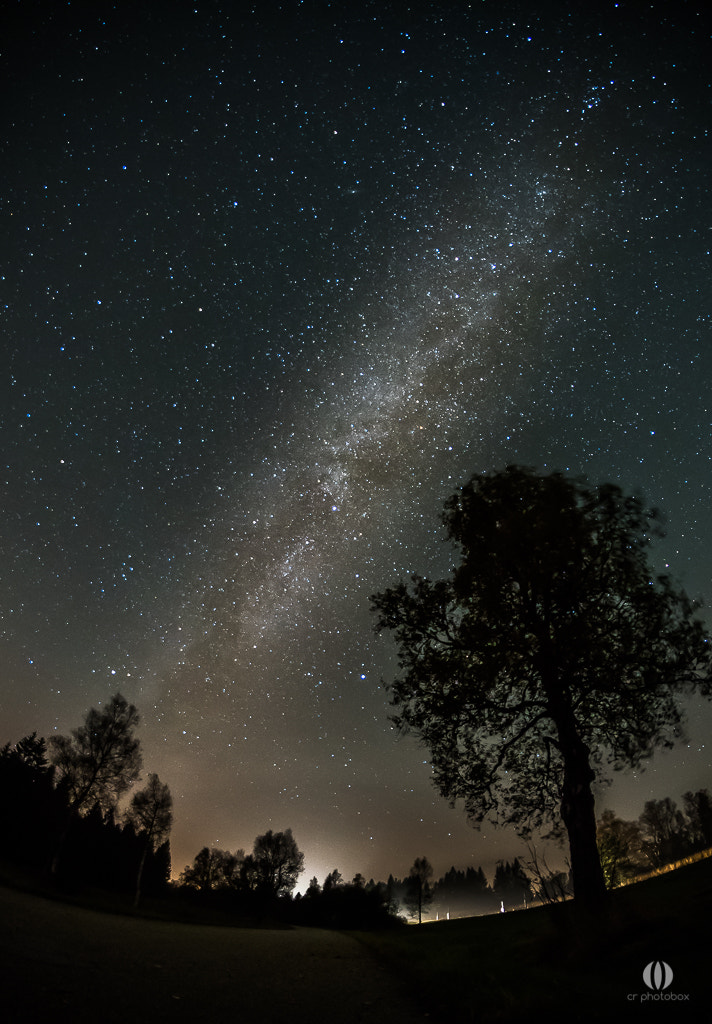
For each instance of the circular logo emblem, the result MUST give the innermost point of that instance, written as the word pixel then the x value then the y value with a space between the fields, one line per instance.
pixel 657 975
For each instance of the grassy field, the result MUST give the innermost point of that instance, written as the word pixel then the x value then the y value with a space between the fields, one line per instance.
pixel 551 962
pixel 60 961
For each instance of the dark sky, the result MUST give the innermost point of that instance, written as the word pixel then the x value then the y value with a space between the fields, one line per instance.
pixel 276 282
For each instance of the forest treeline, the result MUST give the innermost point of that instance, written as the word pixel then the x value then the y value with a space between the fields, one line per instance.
pixel 59 804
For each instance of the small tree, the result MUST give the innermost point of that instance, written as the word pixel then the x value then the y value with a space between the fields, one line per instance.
pixel 313 889
pixel 151 815
pixel 620 849
pixel 98 763
pixel 664 831
pixel 212 869
pixel 31 751
pixel 333 880
pixel 275 864
pixel 419 893
pixel 552 650
pixel 698 808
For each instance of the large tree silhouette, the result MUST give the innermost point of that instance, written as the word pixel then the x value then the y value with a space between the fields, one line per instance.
pixel 552 650
pixel 98 763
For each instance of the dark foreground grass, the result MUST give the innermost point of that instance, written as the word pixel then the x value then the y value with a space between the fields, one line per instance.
pixel 555 964
pixel 61 961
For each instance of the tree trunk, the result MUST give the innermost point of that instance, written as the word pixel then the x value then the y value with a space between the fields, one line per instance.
pixel 58 850
pixel 139 875
pixel 578 809
pixel 579 816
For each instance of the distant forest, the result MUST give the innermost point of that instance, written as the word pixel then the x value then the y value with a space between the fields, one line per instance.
pixel 61 824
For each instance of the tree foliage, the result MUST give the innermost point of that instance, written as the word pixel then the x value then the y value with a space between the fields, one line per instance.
pixel 698 808
pixel 620 847
pixel 29 805
pixel 664 833
pixel 276 863
pixel 150 814
pixel 101 759
pixel 63 816
pixel 212 869
pixel 551 650
pixel 512 885
pixel 151 811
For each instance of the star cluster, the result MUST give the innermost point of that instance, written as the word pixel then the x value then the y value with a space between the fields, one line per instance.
pixel 276 283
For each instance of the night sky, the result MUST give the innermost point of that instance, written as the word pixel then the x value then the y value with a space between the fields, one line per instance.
pixel 274 284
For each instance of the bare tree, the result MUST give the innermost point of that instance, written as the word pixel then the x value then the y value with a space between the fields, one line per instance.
pixel 547 885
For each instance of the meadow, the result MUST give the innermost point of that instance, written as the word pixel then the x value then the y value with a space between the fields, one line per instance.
pixel 556 964
pixel 63 962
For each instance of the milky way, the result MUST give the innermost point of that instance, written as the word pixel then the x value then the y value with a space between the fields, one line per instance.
pixel 276 284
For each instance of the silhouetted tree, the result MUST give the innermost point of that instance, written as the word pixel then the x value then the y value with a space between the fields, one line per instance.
pixel 419 893
pixel 552 647
pixel 664 833
pixel 102 759
pixel 313 889
pixel 698 808
pixel 464 892
pixel 342 904
pixel 333 880
pixel 620 849
pixel 98 763
pixel 276 863
pixel 29 804
pixel 212 869
pixel 31 751
pixel 150 813
pixel 548 885
pixel 511 884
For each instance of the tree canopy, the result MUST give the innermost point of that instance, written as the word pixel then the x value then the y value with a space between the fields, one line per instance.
pixel 97 764
pixel 212 869
pixel 552 650
pixel 150 814
pixel 101 759
pixel 275 862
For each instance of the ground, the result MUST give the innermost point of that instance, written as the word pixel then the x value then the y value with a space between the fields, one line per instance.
pixel 65 963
